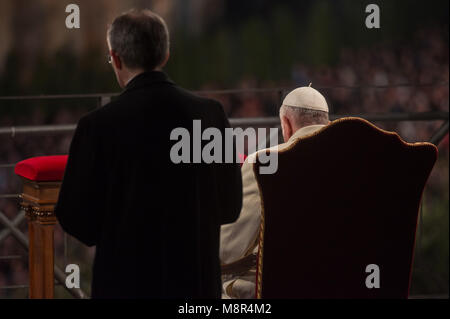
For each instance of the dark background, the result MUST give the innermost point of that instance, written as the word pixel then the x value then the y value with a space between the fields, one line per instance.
pixel 218 44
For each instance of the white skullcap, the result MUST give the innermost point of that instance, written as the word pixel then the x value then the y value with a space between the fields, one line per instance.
pixel 306 97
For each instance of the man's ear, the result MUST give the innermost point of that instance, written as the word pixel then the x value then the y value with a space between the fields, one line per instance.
pixel 286 128
pixel 117 62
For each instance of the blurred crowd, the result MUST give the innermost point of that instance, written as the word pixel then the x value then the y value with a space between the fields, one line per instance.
pixel 377 79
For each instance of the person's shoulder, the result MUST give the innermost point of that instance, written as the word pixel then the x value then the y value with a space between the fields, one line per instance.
pixel 195 97
pixel 198 105
pixel 251 159
pixel 97 115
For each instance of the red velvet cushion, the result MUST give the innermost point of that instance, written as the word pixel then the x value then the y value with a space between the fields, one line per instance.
pixel 42 168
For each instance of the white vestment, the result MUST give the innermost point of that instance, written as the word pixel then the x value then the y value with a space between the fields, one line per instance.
pixel 240 239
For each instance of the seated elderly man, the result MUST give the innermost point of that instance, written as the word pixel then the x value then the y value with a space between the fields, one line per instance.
pixel 304 111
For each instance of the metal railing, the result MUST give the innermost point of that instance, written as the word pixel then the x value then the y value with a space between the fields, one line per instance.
pixel 11 226
pixel 14 131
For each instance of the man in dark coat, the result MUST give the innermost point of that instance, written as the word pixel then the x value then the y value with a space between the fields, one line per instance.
pixel 155 223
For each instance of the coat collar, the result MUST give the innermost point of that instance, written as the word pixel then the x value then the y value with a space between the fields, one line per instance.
pixel 304 131
pixel 146 79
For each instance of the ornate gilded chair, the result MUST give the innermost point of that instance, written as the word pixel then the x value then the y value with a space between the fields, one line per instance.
pixel 343 198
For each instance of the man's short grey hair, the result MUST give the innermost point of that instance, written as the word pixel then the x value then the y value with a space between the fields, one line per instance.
pixel 140 38
pixel 303 117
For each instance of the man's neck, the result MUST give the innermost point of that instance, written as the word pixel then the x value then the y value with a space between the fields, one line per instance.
pixel 132 75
